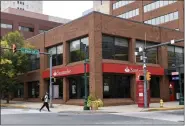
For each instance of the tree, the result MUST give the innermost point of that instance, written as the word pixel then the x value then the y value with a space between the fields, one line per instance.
pixel 12 64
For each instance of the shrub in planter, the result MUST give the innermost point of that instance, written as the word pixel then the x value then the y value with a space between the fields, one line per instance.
pixel 94 103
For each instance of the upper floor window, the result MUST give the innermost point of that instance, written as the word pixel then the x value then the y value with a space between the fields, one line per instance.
pixel 130 14
pixel 77 49
pixel 40 31
pixel 121 3
pixel 34 62
pixel 8 26
pixel 152 54
pixel 157 4
pixel 175 55
pixel 115 48
pixel 57 55
pixel 163 19
pixel 28 29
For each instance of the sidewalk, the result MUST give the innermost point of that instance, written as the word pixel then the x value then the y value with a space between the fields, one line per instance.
pixel 113 109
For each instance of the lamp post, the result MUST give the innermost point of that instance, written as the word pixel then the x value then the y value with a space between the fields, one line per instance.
pixel 85 78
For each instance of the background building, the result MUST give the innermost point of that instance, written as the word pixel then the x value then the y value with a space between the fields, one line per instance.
pixel 111 43
pixel 166 13
pixel 32 6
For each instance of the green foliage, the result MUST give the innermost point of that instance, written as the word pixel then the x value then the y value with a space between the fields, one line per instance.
pixel 12 64
pixel 94 100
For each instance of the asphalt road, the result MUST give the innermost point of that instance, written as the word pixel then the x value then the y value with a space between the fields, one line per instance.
pixel 36 118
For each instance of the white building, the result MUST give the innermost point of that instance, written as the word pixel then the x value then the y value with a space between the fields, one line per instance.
pixel 99 6
pixel 102 6
pixel 32 6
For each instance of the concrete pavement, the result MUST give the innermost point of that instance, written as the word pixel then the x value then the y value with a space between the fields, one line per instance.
pixel 34 117
pixel 113 109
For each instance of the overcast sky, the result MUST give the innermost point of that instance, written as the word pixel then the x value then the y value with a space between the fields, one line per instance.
pixel 66 9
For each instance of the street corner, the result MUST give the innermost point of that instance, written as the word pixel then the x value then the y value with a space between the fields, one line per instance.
pixel 163 109
pixel 14 106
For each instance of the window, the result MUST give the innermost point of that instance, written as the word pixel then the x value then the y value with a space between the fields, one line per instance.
pixel 175 16
pixel 57 55
pixel 8 26
pixel 121 3
pixel 171 17
pixel 28 29
pixel 156 5
pixel 40 31
pixel 130 14
pixel 166 18
pixel 77 49
pixel 152 54
pixel 33 89
pixel 77 87
pixel 34 61
pixel 115 48
pixel 116 86
pixel 155 87
pixel 18 2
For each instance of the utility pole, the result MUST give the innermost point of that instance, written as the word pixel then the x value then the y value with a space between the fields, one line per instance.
pixel 143 51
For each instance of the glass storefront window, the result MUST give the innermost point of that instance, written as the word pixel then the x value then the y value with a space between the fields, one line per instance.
pixel 57 88
pixel 116 86
pixel 19 92
pixel 77 47
pixel 115 48
pixel 77 87
pixel 155 87
pixel 33 89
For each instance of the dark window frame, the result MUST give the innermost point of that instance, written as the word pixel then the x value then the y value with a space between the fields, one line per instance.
pixel 113 49
pixel 80 49
pixel 55 58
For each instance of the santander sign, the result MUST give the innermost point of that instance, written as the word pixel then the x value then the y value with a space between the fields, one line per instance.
pixel 131 70
pixel 61 72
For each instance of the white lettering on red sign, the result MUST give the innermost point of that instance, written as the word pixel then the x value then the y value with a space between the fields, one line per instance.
pixel 128 70
pixel 60 73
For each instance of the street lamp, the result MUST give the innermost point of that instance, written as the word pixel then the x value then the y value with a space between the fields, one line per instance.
pixel 85 77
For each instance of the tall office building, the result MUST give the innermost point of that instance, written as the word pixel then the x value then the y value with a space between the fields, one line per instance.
pixel 165 13
pixel 32 6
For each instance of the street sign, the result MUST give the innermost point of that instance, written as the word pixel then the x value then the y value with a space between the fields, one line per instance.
pixel 174 73
pixel 30 51
pixel 175 78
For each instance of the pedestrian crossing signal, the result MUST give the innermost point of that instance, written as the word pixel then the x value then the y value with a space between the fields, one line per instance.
pixel 148 76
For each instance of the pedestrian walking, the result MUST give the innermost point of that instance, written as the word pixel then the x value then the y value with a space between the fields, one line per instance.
pixel 45 102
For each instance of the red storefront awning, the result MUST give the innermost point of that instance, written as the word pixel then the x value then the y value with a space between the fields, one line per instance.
pixel 106 68
pixel 130 69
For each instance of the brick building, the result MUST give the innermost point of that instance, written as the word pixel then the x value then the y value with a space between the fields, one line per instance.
pixel 166 13
pixel 111 43
pixel 28 23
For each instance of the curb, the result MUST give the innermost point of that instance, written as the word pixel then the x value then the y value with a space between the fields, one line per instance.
pixel 13 106
pixel 163 109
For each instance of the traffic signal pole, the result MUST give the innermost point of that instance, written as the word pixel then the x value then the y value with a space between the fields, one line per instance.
pixel 143 50
pixel 45 53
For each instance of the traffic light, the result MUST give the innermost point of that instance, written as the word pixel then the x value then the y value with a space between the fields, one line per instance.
pixel 148 76
pixel 14 48
pixel 53 80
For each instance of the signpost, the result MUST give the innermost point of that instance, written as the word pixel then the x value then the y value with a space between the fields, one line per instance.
pixel 29 51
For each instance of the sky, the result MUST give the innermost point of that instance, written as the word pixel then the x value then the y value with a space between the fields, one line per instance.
pixel 66 9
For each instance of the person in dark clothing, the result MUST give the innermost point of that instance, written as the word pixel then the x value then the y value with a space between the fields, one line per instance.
pixel 45 99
